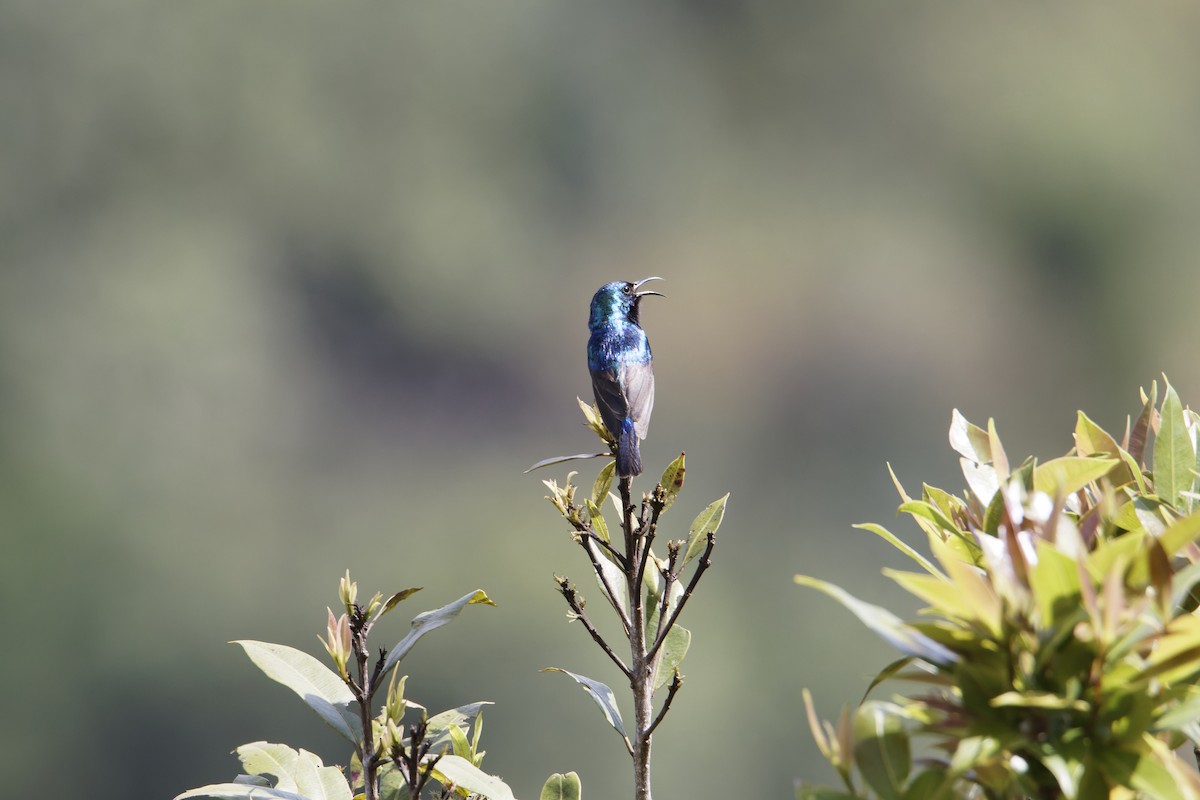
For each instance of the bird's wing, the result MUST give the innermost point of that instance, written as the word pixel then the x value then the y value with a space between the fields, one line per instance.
pixel 610 400
pixel 638 382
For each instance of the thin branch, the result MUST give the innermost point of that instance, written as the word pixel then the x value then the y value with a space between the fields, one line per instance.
pixel 703 564
pixel 657 503
pixel 572 598
pixel 587 533
pixel 669 578
pixel 676 684
pixel 608 589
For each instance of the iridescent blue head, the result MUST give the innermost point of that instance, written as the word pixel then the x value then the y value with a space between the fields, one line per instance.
pixel 618 302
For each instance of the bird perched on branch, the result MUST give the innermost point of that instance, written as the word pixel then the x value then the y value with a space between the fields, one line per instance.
pixel 620 362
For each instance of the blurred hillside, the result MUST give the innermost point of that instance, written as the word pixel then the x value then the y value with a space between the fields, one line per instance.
pixel 291 288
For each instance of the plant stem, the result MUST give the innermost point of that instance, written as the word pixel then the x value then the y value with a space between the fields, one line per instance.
pixel 641 663
pixel 366 690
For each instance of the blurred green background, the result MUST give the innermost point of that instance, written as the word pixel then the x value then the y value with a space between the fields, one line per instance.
pixel 287 289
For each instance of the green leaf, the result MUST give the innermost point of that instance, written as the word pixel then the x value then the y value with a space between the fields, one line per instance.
pixel 297 774
pixel 969 441
pixel 562 787
pixel 1174 456
pixel 604 697
pixel 599 526
pixel 317 685
pixel 603 483
pixel 431 621
pixel 1180 533
pixel 1054 581
pixel 1140 771
pixel 1146 421
pixel 396 599
pixel 239 791
pixel 674 648
pixel 1061 477
pixel 441 724
pixel 706 522
pixel 895 541
pixel 672 481
pixel 885 624
pixel 615 578
pixel 464 774
pixel 881 748
pixel 458 742
pixel 546 462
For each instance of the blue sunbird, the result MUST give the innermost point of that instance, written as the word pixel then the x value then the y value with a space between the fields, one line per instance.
pixel 619 360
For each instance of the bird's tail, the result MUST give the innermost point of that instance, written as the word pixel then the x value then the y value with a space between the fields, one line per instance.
pixel 629 457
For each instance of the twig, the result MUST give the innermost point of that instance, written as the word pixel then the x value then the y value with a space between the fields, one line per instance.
pixel 572 598
pixel 703 564
pixel 676 684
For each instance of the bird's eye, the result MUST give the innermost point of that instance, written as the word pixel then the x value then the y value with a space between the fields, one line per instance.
pixel 627 288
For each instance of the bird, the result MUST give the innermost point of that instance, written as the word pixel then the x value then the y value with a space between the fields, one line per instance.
pixel 619 361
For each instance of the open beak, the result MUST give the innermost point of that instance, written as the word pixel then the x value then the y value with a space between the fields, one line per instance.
pixel 638 284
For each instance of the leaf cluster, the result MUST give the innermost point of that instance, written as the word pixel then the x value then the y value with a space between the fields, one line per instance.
pixel 1059 646
pixel 396 752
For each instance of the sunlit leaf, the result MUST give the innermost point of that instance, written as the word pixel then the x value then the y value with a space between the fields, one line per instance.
pixel 604 697
pixel 895 541
pixel 317 685
pixel 396 599
pixel 881 748
pixel 1146 421
pixel 462 773
pixel 885 624
pixel 431 621
pixel 706 522
pixel 562 787
pixel 546 462
pixel 672 481
pixel 1054 581
pixel 969 441
pixel 1064 476
pixel 1180 533
pixel 1174 455
pixel 674 648
pixel 615 578
pixel 603 483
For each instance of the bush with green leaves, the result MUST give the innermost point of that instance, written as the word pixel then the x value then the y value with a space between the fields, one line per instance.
pixel 1059 646
pixel 399 753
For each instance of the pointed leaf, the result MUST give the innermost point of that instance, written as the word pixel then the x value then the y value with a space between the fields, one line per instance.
pixel 1146 421
pixel 672 481
pixel 969 441
pixel 603 483
pixel 546 462
pixel 614 577
pixel 707 521
pixel 431 621
pixel 887 625
pixel 1179 534
pixel 562 787
pixel 895 541
pixel 1060 477
pixel 320 688
pixel 464 774
pixel 397 598
pixel 881 748
pixel 604 697
pixel 674 648
pixel 239 791
pixel 1174 456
